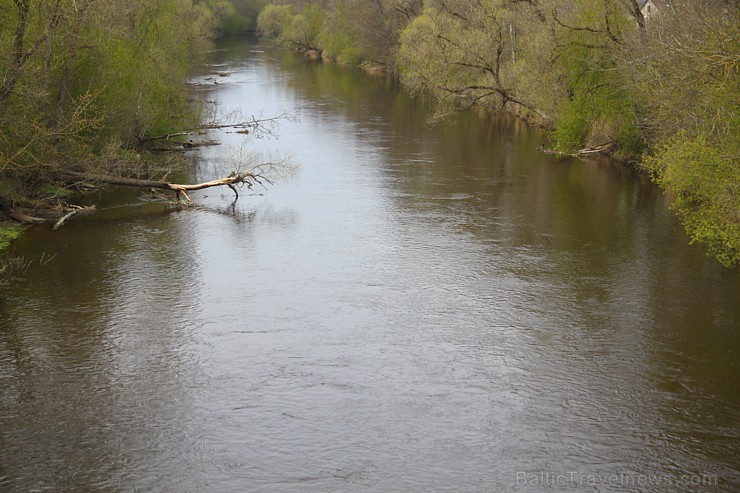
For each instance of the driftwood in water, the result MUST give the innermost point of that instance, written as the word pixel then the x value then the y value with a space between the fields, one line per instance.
pixel 75 209
pixel 599 149
pixel 605 149
pixel 23 218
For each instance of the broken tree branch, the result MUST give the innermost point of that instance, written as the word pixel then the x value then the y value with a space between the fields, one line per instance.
pixel 75 210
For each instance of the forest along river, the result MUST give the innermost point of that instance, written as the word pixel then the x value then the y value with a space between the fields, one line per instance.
pixel 418 309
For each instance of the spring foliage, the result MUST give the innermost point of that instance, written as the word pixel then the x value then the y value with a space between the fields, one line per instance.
pixel 662 91
pixel 82 81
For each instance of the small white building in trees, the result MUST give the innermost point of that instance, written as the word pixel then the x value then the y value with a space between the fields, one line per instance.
pixel 650 8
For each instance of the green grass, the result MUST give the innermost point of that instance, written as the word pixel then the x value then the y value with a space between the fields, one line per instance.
pixel 8 232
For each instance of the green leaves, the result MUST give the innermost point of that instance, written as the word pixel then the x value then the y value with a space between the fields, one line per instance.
pixel 8 232
pixel 82 74
pixel 704 178
pixel 273 21
pixel 464 55
pixel 690 81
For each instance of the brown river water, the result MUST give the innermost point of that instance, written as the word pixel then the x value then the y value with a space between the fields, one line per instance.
pixel 418 309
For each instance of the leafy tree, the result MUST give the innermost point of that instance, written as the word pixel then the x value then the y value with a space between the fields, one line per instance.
pixel 461 54
pixel 690 82
pixel 704 178
pixel 598 104
pixel 303 30
pixel 273 21
pixel 340 36
pixel 77 76
pixel 235 16
pixel 349 31
pixel 360 31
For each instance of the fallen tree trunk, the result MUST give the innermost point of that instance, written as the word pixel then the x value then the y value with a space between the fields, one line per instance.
pixel 232 181
pixel 60 215
pixel 24 218
pixel 6 207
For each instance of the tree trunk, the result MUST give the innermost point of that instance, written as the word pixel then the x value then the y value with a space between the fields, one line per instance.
pixel 233 180
pixel 635 11
pixel 71 55
pixel 17 58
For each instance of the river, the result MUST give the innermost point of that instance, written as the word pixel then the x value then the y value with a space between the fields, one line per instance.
pixel 417 309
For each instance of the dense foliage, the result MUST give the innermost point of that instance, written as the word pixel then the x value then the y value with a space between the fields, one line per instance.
pixel 354 32
pixel 235 16
pixel 658 90
pixel 84 82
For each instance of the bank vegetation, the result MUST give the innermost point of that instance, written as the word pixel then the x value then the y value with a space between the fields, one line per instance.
pixel 651 83
pixel 89 87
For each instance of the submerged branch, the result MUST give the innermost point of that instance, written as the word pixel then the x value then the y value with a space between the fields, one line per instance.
pixel 75 210
pixel 258 126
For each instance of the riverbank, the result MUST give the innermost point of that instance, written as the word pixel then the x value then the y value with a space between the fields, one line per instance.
pixel 77 99
pixel 420 308
pixel 603 77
